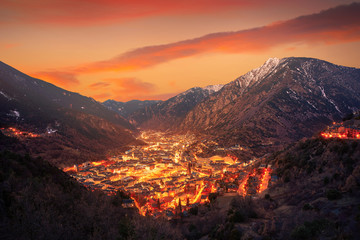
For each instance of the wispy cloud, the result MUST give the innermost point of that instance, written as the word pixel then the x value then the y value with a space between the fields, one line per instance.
pixel 132 85
pixel 102 96
pixel 99 85
pixel 83 12
pixel 124 89
pixel 61 78
pixel 337 25
pixel 8 45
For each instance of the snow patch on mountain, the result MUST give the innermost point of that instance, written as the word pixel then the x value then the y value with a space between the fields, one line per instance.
pixel 258 73
pixel 209 89
pixel 5 95
pixel 213 88
pixel 14 113
pixel 330 100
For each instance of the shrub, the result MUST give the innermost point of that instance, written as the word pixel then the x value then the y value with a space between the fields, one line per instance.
pixel 309 230
pixel 237 217
pixel 212 197
pixel 326 180
pixel 301 232
pixel 333 194
pixel 307 206
pixel 194 210
pixel 235 234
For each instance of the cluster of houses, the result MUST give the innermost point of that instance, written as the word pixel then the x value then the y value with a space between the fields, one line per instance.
pixel 163 178
pixel 347 130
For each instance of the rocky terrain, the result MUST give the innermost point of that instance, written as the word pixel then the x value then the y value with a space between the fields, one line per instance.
pixel 125 109
pixel 168 115
pixel 280 102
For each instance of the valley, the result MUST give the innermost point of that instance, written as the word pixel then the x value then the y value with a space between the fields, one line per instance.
pixel 170 175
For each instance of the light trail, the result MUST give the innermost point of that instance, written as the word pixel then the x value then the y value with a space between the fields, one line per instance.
pixel 198 195
pixel 264 180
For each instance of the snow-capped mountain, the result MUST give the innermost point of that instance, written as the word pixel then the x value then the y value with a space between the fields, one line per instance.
pixel 168 114
pixel 282 101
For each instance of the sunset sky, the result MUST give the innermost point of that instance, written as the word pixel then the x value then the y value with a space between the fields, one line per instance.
pixel 138 49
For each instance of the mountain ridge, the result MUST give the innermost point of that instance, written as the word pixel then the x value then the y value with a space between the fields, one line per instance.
pixel 292 98
pixel 168 114
pixel 125 109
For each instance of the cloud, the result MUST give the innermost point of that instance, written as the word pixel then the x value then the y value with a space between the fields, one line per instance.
pixel 61 78
pixel 9 45
pixel 101 96
pixel 99 85
pixel 124 89
pixel 336 25
pixel 128 88
pixel 172 84
pixel 84 12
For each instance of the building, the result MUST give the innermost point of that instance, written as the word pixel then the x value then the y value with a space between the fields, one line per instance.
pixel 128 203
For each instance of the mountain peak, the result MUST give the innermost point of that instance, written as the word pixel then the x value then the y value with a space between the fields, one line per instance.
pixel 258 108
pixel 213 88
pixel 258 73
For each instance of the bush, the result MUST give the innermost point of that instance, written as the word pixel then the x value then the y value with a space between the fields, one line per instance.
pixel 237 217
pixel 194 210
pixel 301 232
pixel 212 197
pixel 309 230
pixel 241 209
pixel 326 180
pixel 235 234
pixel 307 207
pixel 333 194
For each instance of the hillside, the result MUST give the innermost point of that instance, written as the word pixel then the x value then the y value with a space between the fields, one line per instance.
pixel 280 102
pixel 319 183
pixel 316 196
pixel 39 201
pixel 71 128
pixel 125 109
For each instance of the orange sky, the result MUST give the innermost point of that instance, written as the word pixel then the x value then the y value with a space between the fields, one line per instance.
pixel 138 49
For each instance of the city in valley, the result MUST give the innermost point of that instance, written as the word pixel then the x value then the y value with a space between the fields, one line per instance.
pixel 166 177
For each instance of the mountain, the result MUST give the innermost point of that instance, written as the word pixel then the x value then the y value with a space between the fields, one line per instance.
pixel 282 101
pixel 168 114
pixel 72 128
pixel 127 108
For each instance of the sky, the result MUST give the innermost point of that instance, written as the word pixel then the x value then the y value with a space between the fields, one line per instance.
pixel 150 50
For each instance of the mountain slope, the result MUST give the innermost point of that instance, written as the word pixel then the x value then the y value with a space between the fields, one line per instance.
pixel 319 183
pixel 17 86
pixel 72 128
pixel 127 108
pixel 280 102
pixel 168 114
